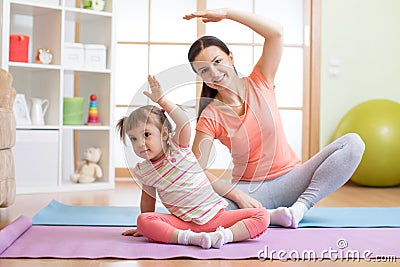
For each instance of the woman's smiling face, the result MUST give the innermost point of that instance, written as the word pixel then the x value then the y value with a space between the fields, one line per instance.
pixel 215 67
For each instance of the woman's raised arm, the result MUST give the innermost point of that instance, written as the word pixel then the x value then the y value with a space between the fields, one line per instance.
pixel 267 28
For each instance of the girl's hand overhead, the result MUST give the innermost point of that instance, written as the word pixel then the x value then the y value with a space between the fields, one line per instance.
pixel 155 93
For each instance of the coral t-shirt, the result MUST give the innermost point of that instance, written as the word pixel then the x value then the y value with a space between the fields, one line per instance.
pixel 255 139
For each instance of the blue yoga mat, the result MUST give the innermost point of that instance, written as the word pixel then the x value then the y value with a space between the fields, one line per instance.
pixel 57 213
pixel 352 217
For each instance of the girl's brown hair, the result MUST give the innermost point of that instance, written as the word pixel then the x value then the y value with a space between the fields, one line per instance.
pixel 145 114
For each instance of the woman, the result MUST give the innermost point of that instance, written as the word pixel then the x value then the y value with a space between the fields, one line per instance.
pixel 242 113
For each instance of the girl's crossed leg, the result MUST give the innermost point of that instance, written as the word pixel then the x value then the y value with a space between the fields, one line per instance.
pixel 225 227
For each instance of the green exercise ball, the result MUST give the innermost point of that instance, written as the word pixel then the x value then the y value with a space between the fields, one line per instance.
pixel 378 124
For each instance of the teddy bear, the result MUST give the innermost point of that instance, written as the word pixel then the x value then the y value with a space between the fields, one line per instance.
pixel 88 170
pixel 7 139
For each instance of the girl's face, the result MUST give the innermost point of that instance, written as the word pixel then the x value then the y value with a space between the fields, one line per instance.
pixel 148 141
pixel 215 67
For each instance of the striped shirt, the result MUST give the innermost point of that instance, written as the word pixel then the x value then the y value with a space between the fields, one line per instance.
pixel 181 184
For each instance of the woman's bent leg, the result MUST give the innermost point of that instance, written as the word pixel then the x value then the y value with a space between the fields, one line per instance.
pixel 334 171
pixel 313 180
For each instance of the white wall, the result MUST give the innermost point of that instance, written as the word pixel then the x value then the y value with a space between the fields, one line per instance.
pixel 364 37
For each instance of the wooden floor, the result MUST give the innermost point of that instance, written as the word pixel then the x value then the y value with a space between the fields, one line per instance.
pixel 127 193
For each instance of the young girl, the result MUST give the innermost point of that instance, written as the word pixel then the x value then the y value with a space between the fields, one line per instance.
pixel 170 168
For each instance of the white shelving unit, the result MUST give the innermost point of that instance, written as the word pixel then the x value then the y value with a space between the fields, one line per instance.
pixel 45 155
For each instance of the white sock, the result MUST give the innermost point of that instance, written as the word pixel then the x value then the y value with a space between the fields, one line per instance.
pixel 281 216
pixel 297 210
pixel 187 237
pixel 221 236
pixel 217 239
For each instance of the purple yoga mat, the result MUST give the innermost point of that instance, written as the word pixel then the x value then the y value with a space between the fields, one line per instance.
pixel 10 233
pixel 278 243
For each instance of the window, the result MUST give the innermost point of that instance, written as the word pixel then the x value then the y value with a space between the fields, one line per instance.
pixel 153 41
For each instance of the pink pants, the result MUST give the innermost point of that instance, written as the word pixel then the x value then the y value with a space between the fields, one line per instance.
pixel 159 227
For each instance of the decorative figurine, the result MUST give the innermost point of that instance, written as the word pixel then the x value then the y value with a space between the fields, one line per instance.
pixel 44 56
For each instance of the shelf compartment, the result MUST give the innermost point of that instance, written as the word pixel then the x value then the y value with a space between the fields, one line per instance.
pixel 33 21
pixel 39 83
pixel 74 144
pixel 86 84
pixel 43 169
pixel 89 27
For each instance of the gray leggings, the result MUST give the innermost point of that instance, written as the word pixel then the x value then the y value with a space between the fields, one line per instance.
pixel 308 183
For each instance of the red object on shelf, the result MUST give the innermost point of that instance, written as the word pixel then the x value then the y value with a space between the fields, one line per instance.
pixel 19 44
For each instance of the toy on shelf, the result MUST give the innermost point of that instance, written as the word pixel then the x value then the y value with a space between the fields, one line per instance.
pixel 93 111
pixel 88 170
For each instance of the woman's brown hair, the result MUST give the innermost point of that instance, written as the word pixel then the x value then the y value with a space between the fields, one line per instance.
pixel 207 93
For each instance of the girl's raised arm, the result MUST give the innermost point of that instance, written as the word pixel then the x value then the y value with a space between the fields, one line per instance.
pixel 182 129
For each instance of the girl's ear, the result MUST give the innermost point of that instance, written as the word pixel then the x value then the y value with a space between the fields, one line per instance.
pixel 165 134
